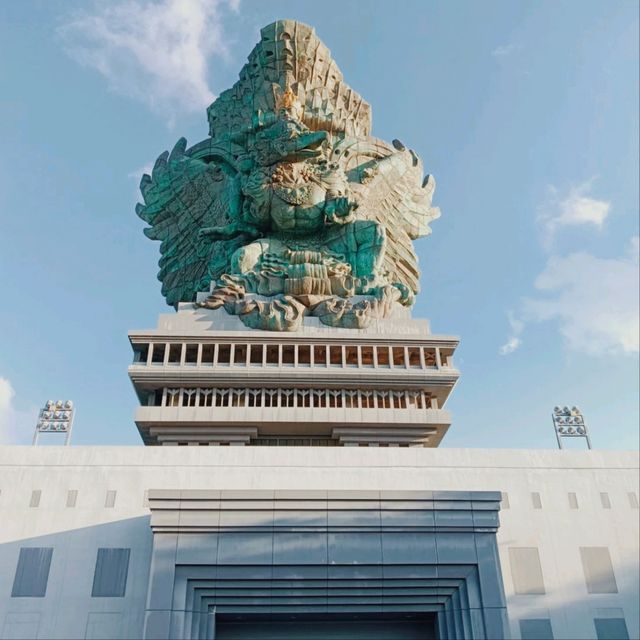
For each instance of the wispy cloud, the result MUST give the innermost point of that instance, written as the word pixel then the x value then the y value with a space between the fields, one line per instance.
pixel 513 341
pixel 594 301
pixel 16 426
pixel 156 52
pixel 505 50
pixel 574 208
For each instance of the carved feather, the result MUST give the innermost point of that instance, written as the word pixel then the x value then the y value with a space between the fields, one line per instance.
pixel 182 195
pixel 389 186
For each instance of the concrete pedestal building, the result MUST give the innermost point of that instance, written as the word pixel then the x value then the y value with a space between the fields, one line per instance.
pixel 291 485
pixel 314 505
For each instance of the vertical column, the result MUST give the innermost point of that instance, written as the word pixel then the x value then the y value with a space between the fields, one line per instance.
pixel 161 578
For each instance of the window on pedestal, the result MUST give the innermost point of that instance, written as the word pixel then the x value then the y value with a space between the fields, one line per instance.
pixel 288 354
pixel 221 398
pixel 398 357
pixel 189 397
pixel 273 357
pixel 304 355
pixel 335 356
pixel 238 397
pixel 304 399
pixel 287 397
pixel 206 398
pixel 173 398
pixel 335 399
pixel 366 399
pixel 140 353
pixel 270 397
pixel 414 357
pixel 175 353
pixel 224 354
pixel 429 357
pixel 399 400
pixel 240 355
pixel 416 400
pixel 384 401
pixel 351 399
pixel 383 356
pixel 319 355
pixel 157 353
pixel 255 355
pixel 351 356
pixel 191 354
pixel 445 357
pixel 366 355
pixel 254 397
pixel 208 352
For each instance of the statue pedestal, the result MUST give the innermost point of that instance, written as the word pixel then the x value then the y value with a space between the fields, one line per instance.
pixel 204 379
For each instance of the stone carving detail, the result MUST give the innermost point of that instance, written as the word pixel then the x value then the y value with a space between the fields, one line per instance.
pixel 290 207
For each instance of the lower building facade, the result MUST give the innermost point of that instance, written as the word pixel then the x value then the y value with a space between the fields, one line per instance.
pixel 317 542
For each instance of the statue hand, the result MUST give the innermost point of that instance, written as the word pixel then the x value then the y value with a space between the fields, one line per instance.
pixel 340 209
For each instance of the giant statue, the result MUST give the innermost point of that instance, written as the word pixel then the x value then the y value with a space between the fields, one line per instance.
pixel 290 208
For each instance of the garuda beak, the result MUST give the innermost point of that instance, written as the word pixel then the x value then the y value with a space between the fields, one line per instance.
pixel 303 146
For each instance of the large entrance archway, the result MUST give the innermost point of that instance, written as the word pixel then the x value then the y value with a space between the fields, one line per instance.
pixel 258 563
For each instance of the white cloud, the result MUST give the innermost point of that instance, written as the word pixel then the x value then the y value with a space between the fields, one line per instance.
pixel 593 300
pixel 504 50
pixel 513 341
pixel 574 208
pixel 16 427
pixel 153 51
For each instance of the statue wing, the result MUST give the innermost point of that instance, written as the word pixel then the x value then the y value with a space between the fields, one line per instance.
pixel 389 185
pixel 189 190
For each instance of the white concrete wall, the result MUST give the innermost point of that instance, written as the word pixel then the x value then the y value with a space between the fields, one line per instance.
pixel 68 611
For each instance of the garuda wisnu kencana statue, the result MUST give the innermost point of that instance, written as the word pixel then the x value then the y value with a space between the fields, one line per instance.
pixel 290 207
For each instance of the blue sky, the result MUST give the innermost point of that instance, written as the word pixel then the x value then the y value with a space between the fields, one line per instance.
pixel 526 113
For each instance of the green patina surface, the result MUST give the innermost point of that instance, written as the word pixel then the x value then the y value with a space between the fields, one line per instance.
pixel 290 207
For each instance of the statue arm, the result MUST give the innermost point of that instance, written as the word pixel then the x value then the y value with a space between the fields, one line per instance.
pixel 250 215
pixel 229 231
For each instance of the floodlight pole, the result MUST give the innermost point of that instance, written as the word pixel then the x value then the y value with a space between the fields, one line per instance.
pixel 558 438
pixel 67 439
pixel 569 423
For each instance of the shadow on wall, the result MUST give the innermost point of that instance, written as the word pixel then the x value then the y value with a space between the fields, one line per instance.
pixel 84 593
pixel 72 589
